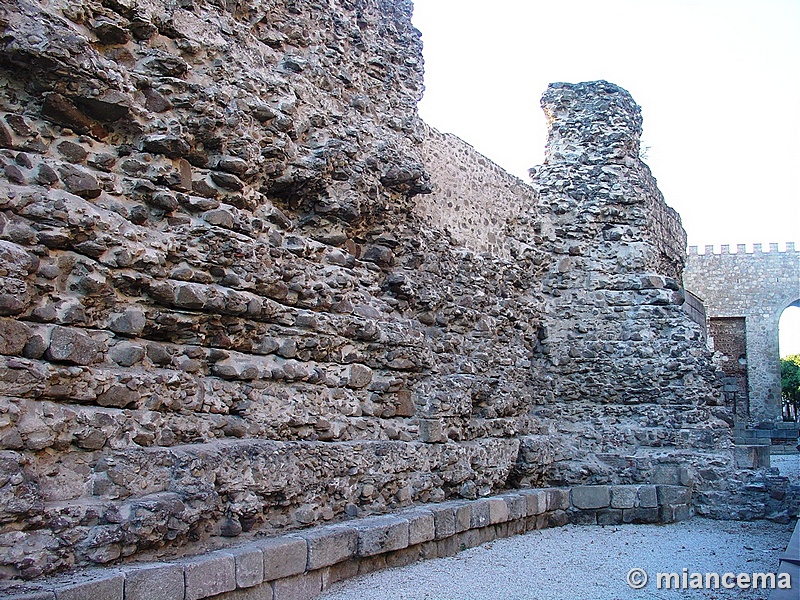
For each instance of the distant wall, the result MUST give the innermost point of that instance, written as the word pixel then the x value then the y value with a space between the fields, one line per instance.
pixel 756 286
pixel 473 198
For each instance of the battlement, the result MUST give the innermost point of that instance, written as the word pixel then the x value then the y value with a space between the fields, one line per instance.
pixel 709 249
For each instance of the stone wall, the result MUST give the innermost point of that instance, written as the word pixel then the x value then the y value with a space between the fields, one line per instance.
pixel 301 565
pixel 223 316
pixel 473 199
pixel 755 287
pixel 219 314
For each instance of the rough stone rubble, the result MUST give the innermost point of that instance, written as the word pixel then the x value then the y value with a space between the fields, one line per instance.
pixel 235 300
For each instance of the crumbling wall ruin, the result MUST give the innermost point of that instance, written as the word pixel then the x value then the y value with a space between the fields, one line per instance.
pixel 226 311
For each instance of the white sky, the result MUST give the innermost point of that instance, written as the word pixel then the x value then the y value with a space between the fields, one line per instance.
pixel 718 82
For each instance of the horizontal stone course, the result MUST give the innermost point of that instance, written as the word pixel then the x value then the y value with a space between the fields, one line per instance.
pixel 301 564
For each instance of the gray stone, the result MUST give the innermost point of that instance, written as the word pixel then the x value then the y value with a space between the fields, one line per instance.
pixel 640 514
pixel 249 560
pixel 14 336
pixel 330 545
pixel 359 376
pixel 535 501
pixel 283 556
pixel 72 345
pixel 79 182
pixel 154 582
pixel 421 526
pixel 590 496
pixel 131 322
pixel 557 499
pixel 673 494
pixel 168 145
pixel 299 587
pixel 623 496
pixel 126 354
pixel 648 498
pixel 381 534
pixel 479 515
pixel 232 164
pixel 108 586
pixel 209 574
pixel 444 519
pixel 498 511
pixel 71 151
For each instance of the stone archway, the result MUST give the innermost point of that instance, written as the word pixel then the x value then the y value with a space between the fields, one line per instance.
pixel 745 294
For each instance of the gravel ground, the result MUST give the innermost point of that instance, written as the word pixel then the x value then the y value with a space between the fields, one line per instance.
pixel 587 562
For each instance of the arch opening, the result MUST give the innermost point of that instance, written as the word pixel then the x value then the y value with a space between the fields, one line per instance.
pixel 789 343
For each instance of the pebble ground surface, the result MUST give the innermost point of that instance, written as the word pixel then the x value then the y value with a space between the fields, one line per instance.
pixel 589 562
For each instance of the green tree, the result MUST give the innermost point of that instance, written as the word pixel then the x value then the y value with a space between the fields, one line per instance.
pixel 790 386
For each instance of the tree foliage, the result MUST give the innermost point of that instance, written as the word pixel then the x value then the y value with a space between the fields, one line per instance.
pixel 790 386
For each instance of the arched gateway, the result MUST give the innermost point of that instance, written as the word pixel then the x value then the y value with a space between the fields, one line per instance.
pixel 745 294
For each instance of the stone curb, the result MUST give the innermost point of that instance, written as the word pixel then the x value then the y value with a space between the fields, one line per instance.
pixel 299 565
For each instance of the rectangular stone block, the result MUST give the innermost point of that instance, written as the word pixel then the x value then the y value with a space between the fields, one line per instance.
pixel 591 496
pixel 154 582
pixel 249 560
pixel 609 516
pixel 284 556
pixel 517 506
pixel 298 587
pixel 517 527
pixel 535 501
pixel 347 569
pixel 381 534
pixel 673 494
pixel 463 512
pixel 209 574
pixel 421 527
pixel 469 539
pixel 623 496
pixel 370 564
pixel 444 520
pixel 640 514
pixel 480 513
pixel 447 546
pixel 329 545
pixel 498 510
pixel 670 513
pixel 258 592
pixel 557 499
pixel 648 498
pixel 403 558
pixel 583 517
pixel 106 586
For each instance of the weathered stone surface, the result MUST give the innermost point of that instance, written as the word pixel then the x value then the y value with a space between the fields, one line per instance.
pixel 283 557
pixel 330 545
pixel 154 582
pixel 71 345
pixel 299 587
pixel 592 496
pixel 107 586
pixel 249 562
pixel 421 527
pixel 13 336
pixel 624 496
pixel 209 574
pixel 382 534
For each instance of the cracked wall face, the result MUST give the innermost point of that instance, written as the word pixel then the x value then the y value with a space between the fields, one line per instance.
pixel 235 300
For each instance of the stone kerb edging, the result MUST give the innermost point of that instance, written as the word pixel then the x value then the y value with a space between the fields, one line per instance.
pixel 303 563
